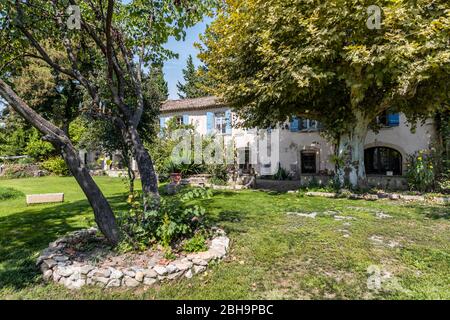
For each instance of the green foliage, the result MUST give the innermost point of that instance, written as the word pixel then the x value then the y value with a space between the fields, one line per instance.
pixel 174 219
pixel 56 166
pixel 218 172
pixel 420 172
pixel 193 86
pixel 37 148
pixel 281 174
pixel 275 59
pixel 196 244
pixel 9 193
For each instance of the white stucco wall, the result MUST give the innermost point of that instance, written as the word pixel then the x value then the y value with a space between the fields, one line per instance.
pixel 292 143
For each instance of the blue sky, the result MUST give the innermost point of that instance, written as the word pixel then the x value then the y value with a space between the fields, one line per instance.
pixel 173 68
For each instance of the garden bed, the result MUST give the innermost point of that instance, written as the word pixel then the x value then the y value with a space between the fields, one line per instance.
pixel 83 258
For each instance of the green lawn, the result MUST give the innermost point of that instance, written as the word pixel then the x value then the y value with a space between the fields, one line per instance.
pixel 273 255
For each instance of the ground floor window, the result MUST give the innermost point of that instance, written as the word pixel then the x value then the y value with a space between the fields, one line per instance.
pixel 381 160
pixel 308 162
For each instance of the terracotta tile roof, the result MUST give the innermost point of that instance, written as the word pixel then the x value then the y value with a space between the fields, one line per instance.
pixel 191 104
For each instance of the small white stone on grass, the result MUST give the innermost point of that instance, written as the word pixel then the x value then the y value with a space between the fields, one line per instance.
pixel 305 215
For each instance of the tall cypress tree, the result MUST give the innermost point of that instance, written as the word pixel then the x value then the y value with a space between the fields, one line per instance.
pixel 192 87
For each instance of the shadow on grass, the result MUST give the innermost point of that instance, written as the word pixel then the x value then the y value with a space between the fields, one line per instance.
pixel 431 212
pixel 24 234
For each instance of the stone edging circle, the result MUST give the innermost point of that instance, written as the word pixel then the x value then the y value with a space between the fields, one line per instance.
pixel 56 265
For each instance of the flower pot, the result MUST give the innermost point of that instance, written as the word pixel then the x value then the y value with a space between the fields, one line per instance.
pixel 175 178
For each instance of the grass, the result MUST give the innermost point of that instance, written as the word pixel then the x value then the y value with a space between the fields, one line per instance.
pixel 273 255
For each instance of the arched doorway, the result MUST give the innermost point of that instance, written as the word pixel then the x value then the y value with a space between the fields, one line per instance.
pixel 381 160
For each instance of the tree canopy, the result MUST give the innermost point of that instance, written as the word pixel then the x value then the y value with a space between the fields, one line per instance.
pixel 273 60
pixel 194 85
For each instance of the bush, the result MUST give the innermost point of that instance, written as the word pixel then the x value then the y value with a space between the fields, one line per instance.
pixel 219 173
pixel 9 193
pixel 420 173
pixel 56 165
pixel 196 244
pixel 281 174
pixel 175 219
pixel 15 171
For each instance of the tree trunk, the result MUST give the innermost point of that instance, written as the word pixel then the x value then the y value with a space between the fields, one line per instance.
pixel 102 211
pixel 351 151
pixel 144 162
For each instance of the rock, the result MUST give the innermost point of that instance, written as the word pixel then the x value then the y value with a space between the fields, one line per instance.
pixel 188 274
pixel 161 270
pixel 321 194
pixel 340 218
pixel 48 275
pixel 161 278
pixel 115 274
pixel 65 272
pixel 355 196
pixel 150 273
pixel 199 269
pixel 382 215
pixel 61 258
pixel 86 269
pixel 139 276
pixel 56 276
pixel 102 280
pixel 371 197
pixel 199 262
pixel 50 263
pixel 182 266
pixel 75 285
pixel 113 283
pixel 129 273
pixel 175 275
pixel 412 198
pixel 103 273
pixel 311 215
pixel 394 196
pixel 150 281
pixel 171 268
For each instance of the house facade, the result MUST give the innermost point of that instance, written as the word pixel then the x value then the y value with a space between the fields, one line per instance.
pixel 301 150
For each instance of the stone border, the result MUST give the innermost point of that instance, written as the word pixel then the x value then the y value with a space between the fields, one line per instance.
pixel 373 197
pixel 57 266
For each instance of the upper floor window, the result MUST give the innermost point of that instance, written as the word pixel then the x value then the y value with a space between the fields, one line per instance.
pixel 300 124
pixel 220 122
pixel 388 119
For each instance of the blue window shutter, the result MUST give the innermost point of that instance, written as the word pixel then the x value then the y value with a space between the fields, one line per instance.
pixel 393 119
pixel 209 122
pixel 295 124
pixel 228 121
pixel 185 119
pixel 162 123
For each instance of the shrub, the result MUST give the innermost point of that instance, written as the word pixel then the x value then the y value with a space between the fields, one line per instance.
pixel 56 165
pixel 15 171
pixel 9 193
pixel 196 244
pixel 175 218
pixel 420 173
pixel 281 174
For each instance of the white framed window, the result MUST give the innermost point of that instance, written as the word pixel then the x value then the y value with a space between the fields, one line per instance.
pixel 179 120
pixel 220 122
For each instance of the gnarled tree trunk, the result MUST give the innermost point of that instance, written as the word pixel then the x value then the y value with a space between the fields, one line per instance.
pixel 351 171
pixel 149 180
pixel 102 211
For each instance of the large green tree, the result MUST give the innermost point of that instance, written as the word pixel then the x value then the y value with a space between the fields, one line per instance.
pixel 107 48
pixel 194 81
pixel 273 60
